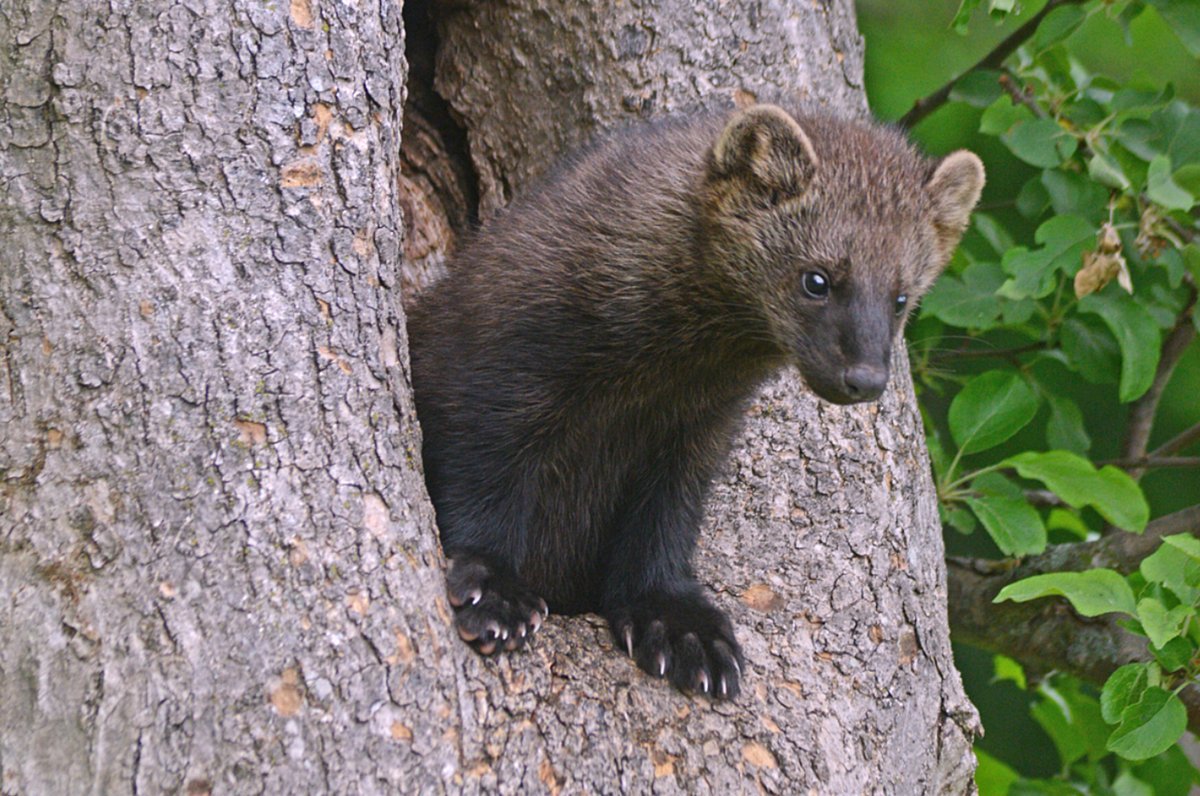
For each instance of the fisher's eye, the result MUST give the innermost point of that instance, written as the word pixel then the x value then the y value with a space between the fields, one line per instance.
pixel 901 304
pixel 815 284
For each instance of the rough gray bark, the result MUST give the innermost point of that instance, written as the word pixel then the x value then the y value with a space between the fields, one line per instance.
pixel 823 539
pixel 218 568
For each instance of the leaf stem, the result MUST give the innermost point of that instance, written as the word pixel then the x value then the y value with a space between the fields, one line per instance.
pixel 991 468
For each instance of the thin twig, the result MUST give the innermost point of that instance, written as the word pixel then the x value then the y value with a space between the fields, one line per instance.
pixel 1043 497
pixel 1188 235
pixel 928 104
pixel 1141 414
pixel 1177 443
pixel 992 353
pixel 1153 463
pixel 1021 94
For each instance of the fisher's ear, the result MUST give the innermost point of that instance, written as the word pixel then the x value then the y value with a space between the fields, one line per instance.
pixel 766 150
pixel 953 190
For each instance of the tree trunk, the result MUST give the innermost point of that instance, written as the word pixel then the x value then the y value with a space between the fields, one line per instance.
pixel 218 566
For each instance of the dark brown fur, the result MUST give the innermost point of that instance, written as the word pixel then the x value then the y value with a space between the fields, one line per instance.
pixel 580 373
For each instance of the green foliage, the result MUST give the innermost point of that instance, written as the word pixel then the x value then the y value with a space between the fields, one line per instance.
pixel 1137 338
pixel 1149 726
pixel 990 409
pixel 1184 17
pixel 1140 701
pixel 1079 264
pixel 1114 495
pixel 1106 274
pixel 1091 593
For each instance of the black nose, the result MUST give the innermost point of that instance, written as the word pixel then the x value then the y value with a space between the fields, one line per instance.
pixel 865 382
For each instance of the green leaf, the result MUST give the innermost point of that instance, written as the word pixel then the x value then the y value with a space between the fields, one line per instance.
pixel 1085 112
pixel 1183 17
pixel 1006 668
pixel 1058 25
pixel 994 484
pixel 961 17
pixel 999 9
pixel 992 777
pixel 1188 178
pixel 1106 170
pixel 1163 305
pixel 1053 716
pixel 969 301
pixel 989 409
pixel 1063 240
pixel 1091 593
pixel 1161 624
pixel 1067 521
pixel 1123 688
pixel 1191 259
pixel 1149 726
pixel 1185 543
pixel 1133 167
pixel 1174 568
pixel 1172 261
pixel 1173 131
pixel 1065 429
pixel 937 449
pixel 1002 115
pixel 1137 336
pixel 1042 787
pixel 1110 491
pixel 994 232
pixel 1032 198
pixel 1140 137
pixel 1071 718
pixel 1162 189
pixel 1073 193
pixel 1140 98
pixel 1062 233
pixel 1169 774
pixel 1174 655
pixel 978 89
pixel 959 519
pixel 1091 350
pixel 1126 784
pixel 1123 503
pixel 1179 125
pixel 1013 524
pixel 1040 142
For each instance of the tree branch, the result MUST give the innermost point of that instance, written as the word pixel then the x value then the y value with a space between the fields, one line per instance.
pixel 1151 462
pixel 930 103
pixel 1021 94
pixel 1047 634
pixel 1179 442
pixel 1043 497
pixel 992 353
pixel 1141 414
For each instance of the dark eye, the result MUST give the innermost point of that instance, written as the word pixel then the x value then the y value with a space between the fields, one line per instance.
pixel 815 284
pixel 901 303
